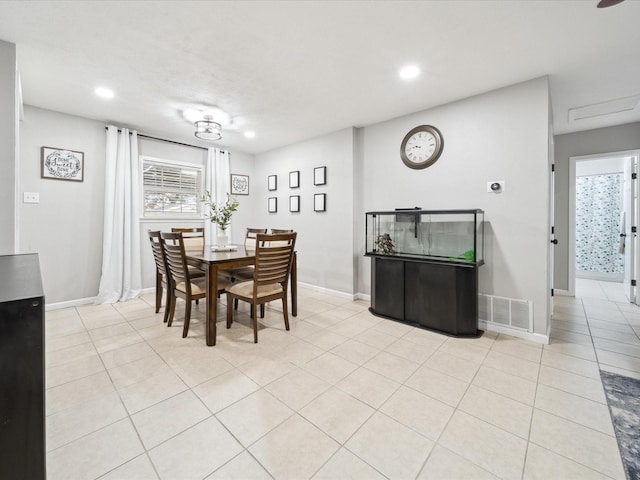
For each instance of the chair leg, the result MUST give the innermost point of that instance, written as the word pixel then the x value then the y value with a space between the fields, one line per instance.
pixel 172 308
pixel 235 303
pixel 187 318
pixel 255 323
pixel 285 312
pixel 167 305
pixel 197 300
pixel 158 291
pixel 262 310
pixel 229 310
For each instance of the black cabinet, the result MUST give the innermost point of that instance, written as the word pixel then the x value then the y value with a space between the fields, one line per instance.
pixel 435 295
pixel 22 415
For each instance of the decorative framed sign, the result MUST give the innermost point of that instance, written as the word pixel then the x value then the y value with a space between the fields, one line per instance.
pixel 272 183
pixel 294 179
pixel 61 164
pixel 273 204
pixel 320 202
pixel 294 203
pixel 239 184
pixel 320 176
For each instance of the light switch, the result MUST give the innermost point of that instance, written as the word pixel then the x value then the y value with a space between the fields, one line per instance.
pixel 31 197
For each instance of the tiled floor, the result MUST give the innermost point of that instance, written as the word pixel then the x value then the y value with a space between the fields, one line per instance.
pixel 344 394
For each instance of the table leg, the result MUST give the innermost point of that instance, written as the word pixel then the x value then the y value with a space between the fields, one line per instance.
pixel 294 285
pixel 212 300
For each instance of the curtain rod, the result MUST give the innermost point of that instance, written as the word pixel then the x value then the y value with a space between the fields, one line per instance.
pixel 165 140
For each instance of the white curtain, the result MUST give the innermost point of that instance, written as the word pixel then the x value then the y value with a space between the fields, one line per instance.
pixel 121 266
pixel 217 182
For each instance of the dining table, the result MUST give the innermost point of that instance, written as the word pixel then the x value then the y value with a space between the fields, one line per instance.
pixel 212 260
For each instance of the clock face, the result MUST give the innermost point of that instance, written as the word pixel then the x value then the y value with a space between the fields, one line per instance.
pixel 421 147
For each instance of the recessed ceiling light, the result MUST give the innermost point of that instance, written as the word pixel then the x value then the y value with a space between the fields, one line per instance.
pixel 104 92
pixel 249 134
pixel 409 72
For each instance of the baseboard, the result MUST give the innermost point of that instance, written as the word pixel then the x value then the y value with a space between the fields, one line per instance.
pixel 562 293
pixel 328 291
pixel 533 337
pixel 363 296
pixel 69 303
pixel 85 301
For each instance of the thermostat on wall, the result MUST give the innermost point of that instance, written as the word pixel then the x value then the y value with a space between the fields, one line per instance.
pixel 495 186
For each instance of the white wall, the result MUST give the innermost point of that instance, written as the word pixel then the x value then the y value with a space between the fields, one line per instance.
pixel 65 228
pixel 8 144
pixel 500 135
pixel 325 239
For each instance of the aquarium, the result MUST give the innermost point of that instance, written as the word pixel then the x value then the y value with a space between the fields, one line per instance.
pixel 442 235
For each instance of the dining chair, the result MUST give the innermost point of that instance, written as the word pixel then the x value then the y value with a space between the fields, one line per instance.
pixel 193 237
pixel 274 254
pixel 162 276
pixel 182 284
pixel 240 274
pixel 279 230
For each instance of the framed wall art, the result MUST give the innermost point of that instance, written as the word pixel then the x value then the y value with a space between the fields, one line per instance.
pixel 239 184
pixel 294 179
pixel 61 164
pixel 273 204
pixel 320 176
pixel 272 183
pixel 294 203
pixel 320 202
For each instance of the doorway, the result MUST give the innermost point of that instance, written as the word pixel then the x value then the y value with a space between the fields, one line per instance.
pixel 603 210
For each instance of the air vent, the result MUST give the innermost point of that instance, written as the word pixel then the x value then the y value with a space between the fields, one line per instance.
pixel 507 312
pixel 605 108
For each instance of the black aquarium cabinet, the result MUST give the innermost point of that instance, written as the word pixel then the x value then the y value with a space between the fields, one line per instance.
pixel 22 415
pixel 424 267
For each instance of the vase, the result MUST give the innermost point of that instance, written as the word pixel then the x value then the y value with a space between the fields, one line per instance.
pixel 222 240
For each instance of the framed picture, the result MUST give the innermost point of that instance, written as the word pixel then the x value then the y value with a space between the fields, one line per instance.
pixel 239 184
pixel 294 203
pixel 272 183
pixel 294 179
pixel 61 164
pixel 273 204
pixel 320 202
pixel 320 176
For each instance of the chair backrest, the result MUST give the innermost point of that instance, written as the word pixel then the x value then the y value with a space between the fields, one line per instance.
pixel 276 231
pixel 173 246
pixel 158 253
pixel 274 254
pixel 250 237
pixel 193 238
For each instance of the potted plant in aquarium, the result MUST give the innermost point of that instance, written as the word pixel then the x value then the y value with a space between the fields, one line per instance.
pixel 220 213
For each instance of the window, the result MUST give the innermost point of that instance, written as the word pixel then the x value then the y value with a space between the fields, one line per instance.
pixel 171 189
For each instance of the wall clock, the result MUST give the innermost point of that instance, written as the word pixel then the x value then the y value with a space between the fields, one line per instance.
pixel 421 147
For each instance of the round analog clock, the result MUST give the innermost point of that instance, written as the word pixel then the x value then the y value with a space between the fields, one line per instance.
pixel 421 147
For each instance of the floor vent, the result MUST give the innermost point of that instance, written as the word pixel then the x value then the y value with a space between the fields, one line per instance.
pixel 507 312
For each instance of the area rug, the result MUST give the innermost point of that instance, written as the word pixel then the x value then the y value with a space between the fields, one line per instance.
pixel 623 396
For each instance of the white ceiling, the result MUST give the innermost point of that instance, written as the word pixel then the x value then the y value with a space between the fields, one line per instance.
pixel 292 70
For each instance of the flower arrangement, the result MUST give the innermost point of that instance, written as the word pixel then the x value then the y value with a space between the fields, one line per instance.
pixel 220 213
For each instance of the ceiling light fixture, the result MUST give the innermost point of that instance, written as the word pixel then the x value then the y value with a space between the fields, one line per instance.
pixel 250 134
pixel 207 129
pixel 409 72
pixel 608 3
pixel 104 92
